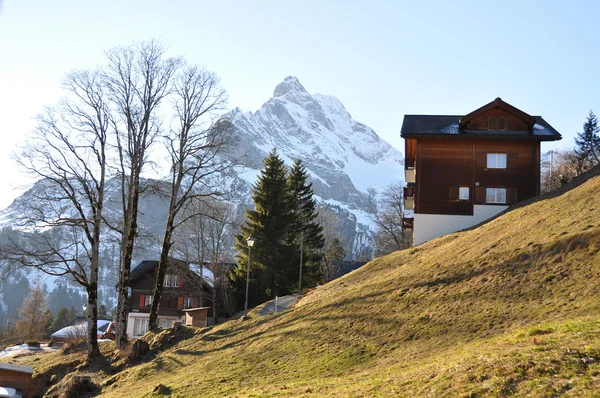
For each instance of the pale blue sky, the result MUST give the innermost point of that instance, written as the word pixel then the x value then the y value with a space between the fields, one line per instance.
pixel 382 59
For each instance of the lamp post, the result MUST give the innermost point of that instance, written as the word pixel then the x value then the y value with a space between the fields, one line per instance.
pixel 301 250
pixel 250 242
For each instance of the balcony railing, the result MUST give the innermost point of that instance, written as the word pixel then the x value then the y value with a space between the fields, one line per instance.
pixel 407 223
pixel 409 198
pixel 409 174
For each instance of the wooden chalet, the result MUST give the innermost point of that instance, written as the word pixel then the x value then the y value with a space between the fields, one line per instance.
pixel 182 290
pixel 462 170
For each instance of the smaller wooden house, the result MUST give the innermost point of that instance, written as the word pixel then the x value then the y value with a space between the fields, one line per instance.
pixel 196 317
pixel 182 290
pixel 15 377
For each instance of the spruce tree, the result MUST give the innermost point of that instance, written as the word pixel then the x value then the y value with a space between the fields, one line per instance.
pixel 587 143
pixel 305 227
pixel 61 320
pixel 270 224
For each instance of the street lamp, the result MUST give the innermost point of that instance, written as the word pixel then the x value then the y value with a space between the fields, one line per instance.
pixel 250 242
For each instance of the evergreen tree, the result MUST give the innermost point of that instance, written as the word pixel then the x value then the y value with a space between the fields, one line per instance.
pixel 31 314
pixel 335 251
pixel 72 314
pixel 102 311
pixel 270 223
pixel 587 143
pixel 62 319
pixel 305 227
pixel 48 321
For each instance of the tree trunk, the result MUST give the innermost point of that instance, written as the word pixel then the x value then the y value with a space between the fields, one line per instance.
pixel 161 271
pixel 92 317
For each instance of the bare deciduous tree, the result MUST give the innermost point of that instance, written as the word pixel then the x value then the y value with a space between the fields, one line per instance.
pixel 61 226
pixel 560 167
pixel 195 143
pixel 389 235
pixel 138 79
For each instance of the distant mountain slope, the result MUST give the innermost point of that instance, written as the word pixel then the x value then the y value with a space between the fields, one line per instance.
pixel 509 308
pixel 348 162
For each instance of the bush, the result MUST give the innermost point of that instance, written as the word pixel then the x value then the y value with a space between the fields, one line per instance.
pixel 32 343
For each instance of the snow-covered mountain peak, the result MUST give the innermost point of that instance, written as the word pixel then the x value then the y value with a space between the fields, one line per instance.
pixel 290 84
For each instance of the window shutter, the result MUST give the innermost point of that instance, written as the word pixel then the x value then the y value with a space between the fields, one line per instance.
pixel 501 123
pixel 181 280
pixel 453 194
pixel 481 160
pixel 195 303
pixel 479 194
pixel 511 195
pixel 142 301
pixel 180 303
pixel 511 161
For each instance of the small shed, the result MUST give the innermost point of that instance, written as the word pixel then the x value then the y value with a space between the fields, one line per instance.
pixel 196 317
pixel 15 377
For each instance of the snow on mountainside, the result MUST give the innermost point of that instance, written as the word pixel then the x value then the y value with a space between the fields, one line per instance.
pixel 348 162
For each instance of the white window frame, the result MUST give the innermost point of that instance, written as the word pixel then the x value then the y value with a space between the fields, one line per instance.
pixel 140 326
pixel 188 302
pixel 494 195
pixel 171 280
pixel 464 193
pixel 495 160
pixel 148 300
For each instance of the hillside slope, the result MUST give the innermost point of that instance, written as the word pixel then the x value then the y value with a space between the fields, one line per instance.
pixel 508 308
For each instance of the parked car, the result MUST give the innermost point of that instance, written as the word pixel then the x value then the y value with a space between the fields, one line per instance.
pixel 110 332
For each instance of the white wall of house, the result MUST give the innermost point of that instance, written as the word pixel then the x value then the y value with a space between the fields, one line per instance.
pixel 137 320
pixel 430 226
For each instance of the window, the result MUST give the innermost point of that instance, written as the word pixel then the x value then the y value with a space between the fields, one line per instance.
pixel 164 323
pixel 463 193
pixel 189 302
pixel 495 195
pixel 496 160
pixel 148 300
pixel 171 280
pixel 140 326
pixel 496 123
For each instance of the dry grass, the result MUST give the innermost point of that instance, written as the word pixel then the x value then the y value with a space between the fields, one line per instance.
pixel 509 308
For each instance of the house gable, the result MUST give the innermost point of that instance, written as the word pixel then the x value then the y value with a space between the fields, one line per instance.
pixel 497 116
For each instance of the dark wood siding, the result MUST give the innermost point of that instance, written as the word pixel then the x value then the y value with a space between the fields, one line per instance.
pixel 443 165
pixel 513 123
pixel 519 177
pixel 172 299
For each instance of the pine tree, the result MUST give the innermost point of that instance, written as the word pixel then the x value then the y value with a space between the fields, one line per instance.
pixel 270 225
pixel 31 314
pixel 335 252
pixel 61 320
pixel 48 321
pixel 305 227
pixel 102 311
pixel 587 143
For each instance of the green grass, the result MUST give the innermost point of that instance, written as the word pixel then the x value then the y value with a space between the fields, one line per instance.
pixel 509 308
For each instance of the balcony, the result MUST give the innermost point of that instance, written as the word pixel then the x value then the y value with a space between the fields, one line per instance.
pixel 409 174
pixel 407 223
pixel 409 198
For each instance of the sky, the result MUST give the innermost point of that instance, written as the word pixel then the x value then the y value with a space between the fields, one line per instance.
pixel 382 59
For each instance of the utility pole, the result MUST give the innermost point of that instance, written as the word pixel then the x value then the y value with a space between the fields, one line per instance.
pixel 551 163
pixel 301 250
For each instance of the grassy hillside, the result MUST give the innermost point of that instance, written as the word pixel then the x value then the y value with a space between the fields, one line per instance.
pixel 511 307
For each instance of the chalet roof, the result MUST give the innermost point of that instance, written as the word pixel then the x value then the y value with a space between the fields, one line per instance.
pixel 148 265
pixel 451 125
pixel 446 126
